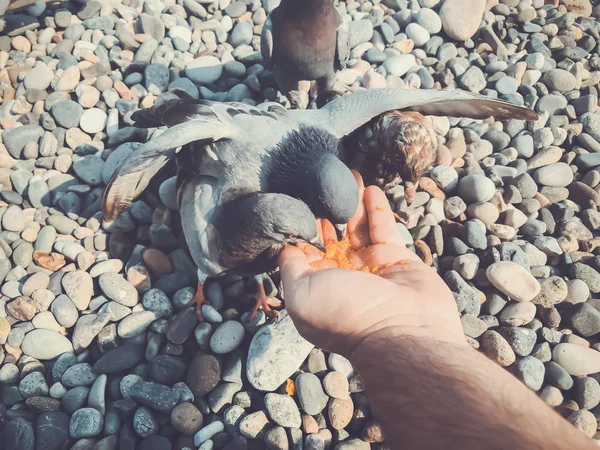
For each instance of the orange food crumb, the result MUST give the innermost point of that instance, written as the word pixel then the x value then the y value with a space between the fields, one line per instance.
pixel 340 253
pixel 290 387
pixel 379 208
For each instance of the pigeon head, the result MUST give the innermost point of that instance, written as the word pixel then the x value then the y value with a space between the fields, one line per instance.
pixel 288 220
pixel 261 223
pixel 306 166
pixel 412 152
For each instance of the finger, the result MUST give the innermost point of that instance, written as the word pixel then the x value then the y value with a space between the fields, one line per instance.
pixel 293 266
pixel 329 236
pixel 359 180
pixel 379 256
pixel 382 224
pixel 358 225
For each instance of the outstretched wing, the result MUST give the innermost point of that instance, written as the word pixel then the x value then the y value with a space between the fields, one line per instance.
pixel 345 114
pixel 266 42
pixel 189 121
pixel 342 49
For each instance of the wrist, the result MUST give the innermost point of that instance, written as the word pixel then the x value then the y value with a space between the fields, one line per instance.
pixel 410 341
pixel 395 325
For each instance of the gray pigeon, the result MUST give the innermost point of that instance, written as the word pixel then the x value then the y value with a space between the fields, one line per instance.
pixel 305 40
pixel 247 175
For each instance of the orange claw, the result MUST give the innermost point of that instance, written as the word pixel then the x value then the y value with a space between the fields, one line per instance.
pixel 199 300
pixel 266 302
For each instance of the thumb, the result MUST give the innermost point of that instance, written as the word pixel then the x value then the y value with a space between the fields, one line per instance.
pixel 293 266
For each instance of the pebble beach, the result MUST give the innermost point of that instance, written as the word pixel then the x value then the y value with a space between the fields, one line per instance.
pixel 100 346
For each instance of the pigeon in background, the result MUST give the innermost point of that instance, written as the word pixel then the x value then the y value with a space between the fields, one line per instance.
pixel 253 179
pixel 399 139
pixel 305 40
pixel 396 143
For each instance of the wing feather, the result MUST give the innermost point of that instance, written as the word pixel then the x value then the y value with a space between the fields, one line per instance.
pixel 345 114
pixel 189 121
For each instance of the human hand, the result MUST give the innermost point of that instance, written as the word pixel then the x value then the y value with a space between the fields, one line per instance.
pixel 390 287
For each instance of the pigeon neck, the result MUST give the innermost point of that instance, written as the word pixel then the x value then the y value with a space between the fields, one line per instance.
pixel 306 166
pixel 299 155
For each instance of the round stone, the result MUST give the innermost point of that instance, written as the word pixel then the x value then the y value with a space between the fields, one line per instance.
pixel 578 292
pixel 39 77
pixel 310 393
pixel 45 344
pixel 116 288
pixel 85 423
pixel 227 337
pixel 553 290
pixel 586 320
pixel 576 360
pixel 521 340
pixel 208 432
pixel 340 412
pixel 186 419
pixel 513 280
pixel 585 421
pixel 554 175
pixel 204 70
pixel 517 313
pixel 283 410
pixel 93 121
pixel 144 422
pixel 476 188
pixel 587 393
pixel 559 80
pixel 67 113
pixel 461 18
pixel 531 371
pixel 399 65
pixel 429 20
pixel 336 385
pixel 79 287
pixel 417 33
pixel 497 348
pixel 203 375
pixel 157 301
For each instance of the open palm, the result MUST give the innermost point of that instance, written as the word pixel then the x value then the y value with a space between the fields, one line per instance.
pixel 390 286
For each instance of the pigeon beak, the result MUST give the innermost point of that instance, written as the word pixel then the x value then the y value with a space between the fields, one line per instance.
pixel 316 241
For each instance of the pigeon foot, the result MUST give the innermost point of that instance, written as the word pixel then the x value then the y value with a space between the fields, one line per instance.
pixel 263 300
pixel 199 300
pixel 298 99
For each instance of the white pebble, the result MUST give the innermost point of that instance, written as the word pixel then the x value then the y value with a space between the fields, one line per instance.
pixel 207 432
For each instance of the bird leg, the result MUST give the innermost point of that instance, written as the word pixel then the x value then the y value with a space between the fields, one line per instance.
pixel 410 191
pixel 298 99
pixel 340 88
pixel 199 300
pixel 263 300
pixel 313 96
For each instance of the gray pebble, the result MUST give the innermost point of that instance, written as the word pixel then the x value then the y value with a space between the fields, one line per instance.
pixel 85 422
pixel 310 393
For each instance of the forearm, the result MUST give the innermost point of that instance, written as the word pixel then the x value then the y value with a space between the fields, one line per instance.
pixel 429 394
